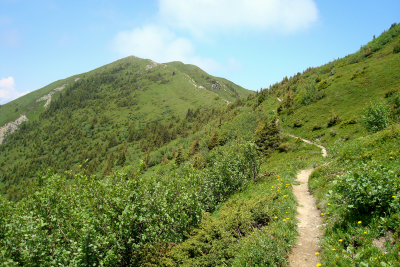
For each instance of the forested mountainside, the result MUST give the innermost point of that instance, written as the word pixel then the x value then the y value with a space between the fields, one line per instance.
pixel 209 184
pixel 108 118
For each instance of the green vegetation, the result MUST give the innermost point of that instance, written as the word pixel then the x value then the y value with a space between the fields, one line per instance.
pixel 376 117
pixel 359 194
pixel 131 166
pixel 124 110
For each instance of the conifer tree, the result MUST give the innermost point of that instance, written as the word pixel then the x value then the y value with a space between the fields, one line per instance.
pixel 179 156
pixel 214 140
pixel 195 147
pixel 121 160
pixel 267 136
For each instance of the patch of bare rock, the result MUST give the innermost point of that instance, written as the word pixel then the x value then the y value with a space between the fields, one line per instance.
pixel 11 127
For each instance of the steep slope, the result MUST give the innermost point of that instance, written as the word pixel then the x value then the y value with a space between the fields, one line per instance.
pixel 93 115
pixel 133 74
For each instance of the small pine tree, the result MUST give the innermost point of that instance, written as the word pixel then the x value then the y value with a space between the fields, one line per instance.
pixel 198 162
pixel 214 141
pixel 195 147
pixel 267 136
pixel 179 156
pixel 121 160
pixel 164 160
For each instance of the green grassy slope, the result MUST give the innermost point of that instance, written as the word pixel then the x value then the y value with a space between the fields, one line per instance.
pixel 165 87
pixel 224 88
pixel 117 102
pixel 189 189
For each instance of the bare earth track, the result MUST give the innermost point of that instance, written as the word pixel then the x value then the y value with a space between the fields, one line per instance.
pixel 310 222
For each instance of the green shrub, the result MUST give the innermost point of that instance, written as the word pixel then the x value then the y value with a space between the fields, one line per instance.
pixel 284 147
pixel 341 64
pixel 376 117
pixel 297 123
pixel 323 84
pixel 333 132
pixel 390 92
pixel 368 52
pixel 396 49
pixel 357 73
pixel 334 119
pixel 123 220
pixel 369 188
pixel 352 120
pixel 316 127
pixel 267 136
pixel 214 243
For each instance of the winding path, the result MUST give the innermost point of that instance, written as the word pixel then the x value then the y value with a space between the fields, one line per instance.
pixel 310 221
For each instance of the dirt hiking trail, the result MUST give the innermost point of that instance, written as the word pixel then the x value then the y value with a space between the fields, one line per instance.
pixel 310 221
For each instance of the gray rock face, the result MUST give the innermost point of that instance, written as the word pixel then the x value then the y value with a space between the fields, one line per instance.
pixel 10 127
pixel 216 85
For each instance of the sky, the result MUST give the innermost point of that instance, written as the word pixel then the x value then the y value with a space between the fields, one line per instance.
pixel 253 43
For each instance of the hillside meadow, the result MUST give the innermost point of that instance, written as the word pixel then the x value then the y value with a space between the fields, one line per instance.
pixel 108 175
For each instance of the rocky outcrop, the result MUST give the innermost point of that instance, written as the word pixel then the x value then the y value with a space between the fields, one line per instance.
pixel 152 65
pixel 48 96
pixel 217 85
pixel 10 127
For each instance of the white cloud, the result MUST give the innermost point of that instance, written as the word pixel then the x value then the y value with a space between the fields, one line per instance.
pixel 162 45
pixel 8 91
pixel 205 16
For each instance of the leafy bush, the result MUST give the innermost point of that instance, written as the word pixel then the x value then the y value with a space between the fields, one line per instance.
pixel 215 241
pixel 357 73
pixel 390 92
pixel 122 220
pixel 367 188
pixel 297 123
pixel 333 132
pixel 376 117
pixel 396 49
pixel 323 84
pixel 334 119
pixel 352 120
pixel 316 127
pixel 284 147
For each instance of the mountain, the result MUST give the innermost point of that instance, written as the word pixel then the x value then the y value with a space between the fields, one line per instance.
pixel 88 115
pixel 92 180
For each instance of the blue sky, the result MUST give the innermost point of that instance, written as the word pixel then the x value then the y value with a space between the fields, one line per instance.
pixel 253 43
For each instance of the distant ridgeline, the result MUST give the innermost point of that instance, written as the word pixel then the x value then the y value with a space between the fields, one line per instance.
pixel 124 109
